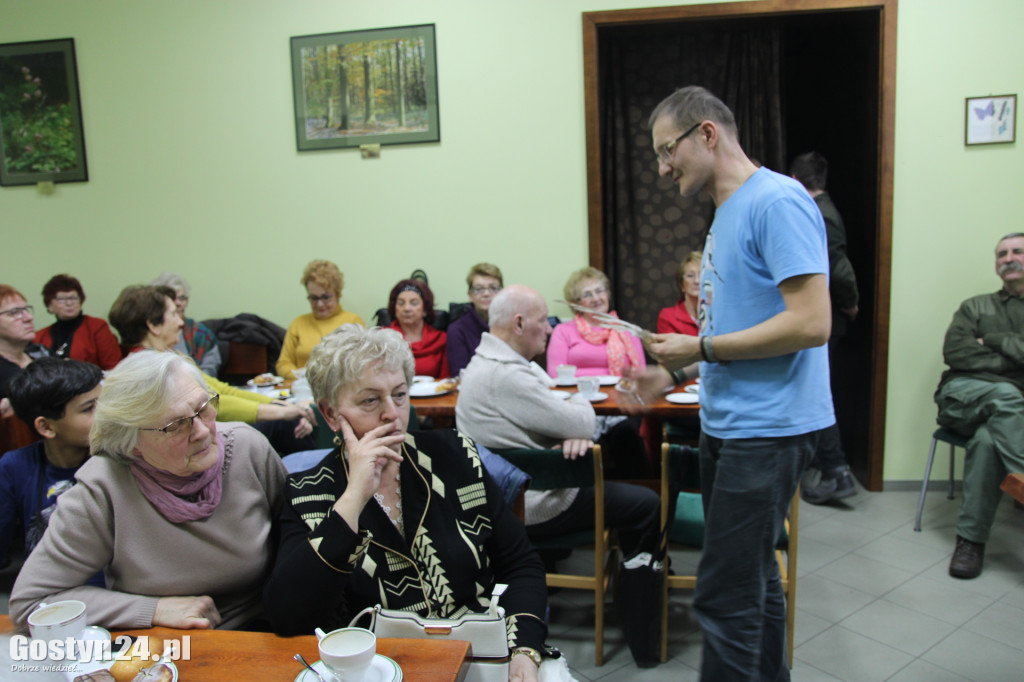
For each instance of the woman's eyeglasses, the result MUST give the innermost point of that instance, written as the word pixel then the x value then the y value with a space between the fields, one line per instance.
pixel 183 427
pixel 15 313
pixel 485 290
pixel 326 298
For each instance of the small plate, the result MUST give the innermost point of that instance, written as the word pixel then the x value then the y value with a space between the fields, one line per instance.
pixel 105 665
pixel 597 397
pixel 692 388
pixel 428 389
pixel 682 398
pixel 383 669
pixel 564 395
pixel 277 380
pixel 608 379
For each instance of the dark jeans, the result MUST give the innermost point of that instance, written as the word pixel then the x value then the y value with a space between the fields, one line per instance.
pixel 631 509
pixel 746 487
pixel 830 455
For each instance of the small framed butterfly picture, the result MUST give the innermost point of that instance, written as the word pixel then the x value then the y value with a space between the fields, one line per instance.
pixel 990 120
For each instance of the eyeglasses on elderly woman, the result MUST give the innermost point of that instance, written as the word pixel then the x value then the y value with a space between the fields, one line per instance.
pixel 180 428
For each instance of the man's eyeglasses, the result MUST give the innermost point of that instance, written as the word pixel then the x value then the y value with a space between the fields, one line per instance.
pixel 319 299
pixel 492 289
pixel 15 313
pixel 665 152
pixel 182 427
pixel 67 299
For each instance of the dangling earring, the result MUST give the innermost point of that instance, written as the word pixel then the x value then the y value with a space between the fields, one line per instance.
pixel 337 438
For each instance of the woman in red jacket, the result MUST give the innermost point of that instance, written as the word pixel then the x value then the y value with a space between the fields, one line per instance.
pixel 410 305
pixel 76 335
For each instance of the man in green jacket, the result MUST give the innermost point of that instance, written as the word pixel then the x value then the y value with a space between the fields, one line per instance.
pixel 980 396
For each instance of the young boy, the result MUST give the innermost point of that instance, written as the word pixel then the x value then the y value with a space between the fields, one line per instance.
pixel 57 399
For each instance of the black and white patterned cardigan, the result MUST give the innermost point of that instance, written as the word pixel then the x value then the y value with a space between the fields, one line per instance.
pixel 460 539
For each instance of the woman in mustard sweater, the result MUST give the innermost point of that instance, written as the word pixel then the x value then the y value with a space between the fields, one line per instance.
pixel 323 282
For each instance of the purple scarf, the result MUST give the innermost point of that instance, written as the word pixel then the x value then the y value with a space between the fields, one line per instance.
pixel 166 492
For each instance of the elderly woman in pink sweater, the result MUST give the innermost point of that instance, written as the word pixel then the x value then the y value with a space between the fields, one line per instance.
pixel 594 350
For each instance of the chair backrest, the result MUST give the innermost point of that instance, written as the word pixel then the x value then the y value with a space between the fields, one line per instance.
pixel 244 360
pixel 549 469
pixel 14 434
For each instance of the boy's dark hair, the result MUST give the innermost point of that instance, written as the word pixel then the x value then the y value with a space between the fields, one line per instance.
pixel 811 169
pixel 45 387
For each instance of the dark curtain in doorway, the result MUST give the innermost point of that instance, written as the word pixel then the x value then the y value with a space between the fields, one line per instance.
pixel 648 228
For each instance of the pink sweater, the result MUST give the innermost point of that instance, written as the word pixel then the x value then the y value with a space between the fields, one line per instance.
pixel 567 347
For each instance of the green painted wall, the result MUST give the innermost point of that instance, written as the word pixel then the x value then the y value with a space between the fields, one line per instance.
pixel 192 163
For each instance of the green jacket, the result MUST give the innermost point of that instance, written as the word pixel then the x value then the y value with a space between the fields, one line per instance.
pixel 998 321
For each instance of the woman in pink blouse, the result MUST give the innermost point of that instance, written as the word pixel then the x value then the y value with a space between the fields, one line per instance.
pixel 594 350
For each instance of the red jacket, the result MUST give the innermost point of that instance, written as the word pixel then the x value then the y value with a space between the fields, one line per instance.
pixel 92 342
pixel 429 352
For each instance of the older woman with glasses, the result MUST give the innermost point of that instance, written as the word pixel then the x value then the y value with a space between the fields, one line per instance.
pixel 408 520
pixel 76 335
pixel 323 282
pixel 594 350
pixel 485 281
pixel 195 340
pixel 17 350
pixel 175 508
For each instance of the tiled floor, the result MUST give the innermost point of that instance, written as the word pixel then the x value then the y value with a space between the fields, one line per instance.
pixel 874 602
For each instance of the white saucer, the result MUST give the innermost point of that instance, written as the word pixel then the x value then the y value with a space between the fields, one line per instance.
pixel 564 395
pixel 692 388
pixel 382 669
pixel 427 389
pixel 270 384
pixel 565 382
pixel 682 398
pixel 608 380
pixel 597 397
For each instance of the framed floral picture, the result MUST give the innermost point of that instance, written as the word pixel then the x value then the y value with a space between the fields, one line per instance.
pixel 41 137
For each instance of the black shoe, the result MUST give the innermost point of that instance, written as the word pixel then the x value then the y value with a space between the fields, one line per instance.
pixel 821 493
pixel 967 559
pixel 844 484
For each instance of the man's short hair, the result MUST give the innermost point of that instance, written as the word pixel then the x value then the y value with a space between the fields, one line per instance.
pixel 484 270
pixel 46 386
pixel 691 105
pixel 811 169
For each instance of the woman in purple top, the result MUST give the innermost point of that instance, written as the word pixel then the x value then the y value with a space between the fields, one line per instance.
pixel 484 281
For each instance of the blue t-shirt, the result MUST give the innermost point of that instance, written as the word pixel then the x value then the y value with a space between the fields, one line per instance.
pixel 23 495
pixel 768 231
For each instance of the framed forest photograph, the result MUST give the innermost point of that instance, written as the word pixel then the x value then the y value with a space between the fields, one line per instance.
pixel 377 86
pixel 41 138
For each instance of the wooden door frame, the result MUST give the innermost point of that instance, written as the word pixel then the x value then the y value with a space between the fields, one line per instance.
pixel 594 21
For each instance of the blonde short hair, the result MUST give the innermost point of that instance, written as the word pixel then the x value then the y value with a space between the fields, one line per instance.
pixel 694 257
pixel 326 274
pixel 343 355
pixel 484 270
pixel 135 391
pixel 571 289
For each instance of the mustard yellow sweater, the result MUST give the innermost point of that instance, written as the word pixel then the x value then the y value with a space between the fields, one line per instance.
pixel 304 333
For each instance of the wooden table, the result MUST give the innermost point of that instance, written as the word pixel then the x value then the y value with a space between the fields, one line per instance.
pixel 443 406
pixel 1013 485
pixel 218 655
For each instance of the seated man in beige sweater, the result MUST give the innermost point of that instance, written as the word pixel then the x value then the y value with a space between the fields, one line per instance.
pixel 505 401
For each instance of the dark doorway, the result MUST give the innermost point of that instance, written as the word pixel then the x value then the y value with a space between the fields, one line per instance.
pixel 834 96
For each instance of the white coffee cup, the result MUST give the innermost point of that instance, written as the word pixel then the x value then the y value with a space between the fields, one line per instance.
pixel 59 620
pixel 348 652
pixel 566 373
pixel 588 386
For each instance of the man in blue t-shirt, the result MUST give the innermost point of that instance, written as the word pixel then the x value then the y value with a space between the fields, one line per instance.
pixel 764 318
pixel 57 398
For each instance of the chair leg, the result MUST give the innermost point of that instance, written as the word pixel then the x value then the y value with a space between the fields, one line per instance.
pixel 664 611
pixel 952 449
pixel 924 485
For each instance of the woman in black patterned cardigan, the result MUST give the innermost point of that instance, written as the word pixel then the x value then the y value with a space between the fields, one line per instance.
pixel 410 521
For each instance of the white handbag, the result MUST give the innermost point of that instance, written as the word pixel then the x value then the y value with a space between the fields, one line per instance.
pixel 486 633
